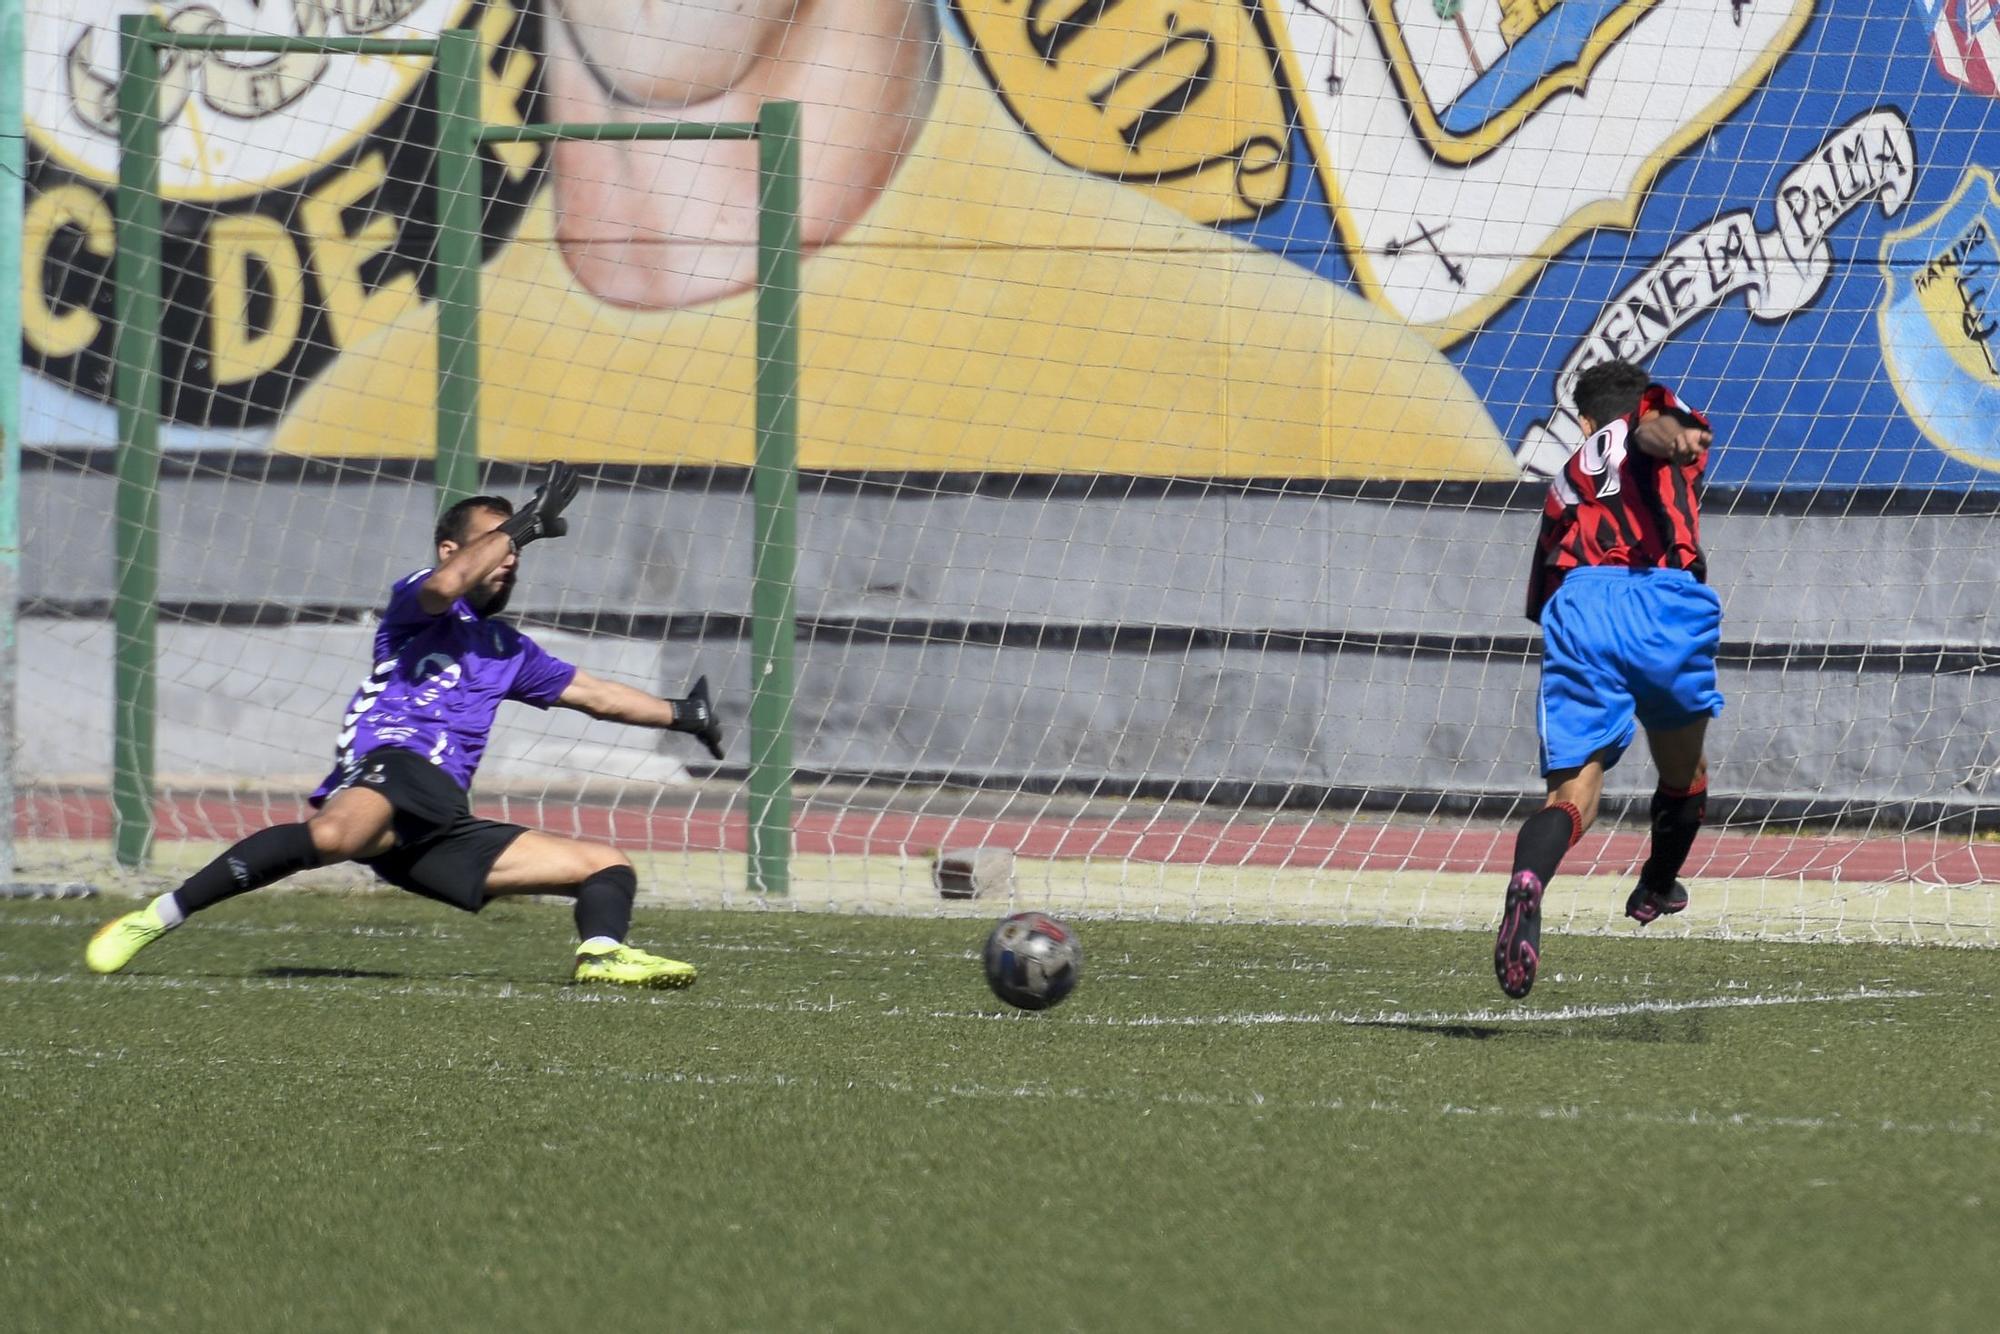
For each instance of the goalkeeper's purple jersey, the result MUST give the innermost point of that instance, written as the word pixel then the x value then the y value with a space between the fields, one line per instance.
pixel 437 683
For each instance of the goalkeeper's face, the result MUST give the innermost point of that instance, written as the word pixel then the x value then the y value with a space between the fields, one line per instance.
pixel 490 594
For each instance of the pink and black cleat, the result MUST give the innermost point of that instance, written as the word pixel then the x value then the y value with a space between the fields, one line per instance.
pixel 1648 903
pixel 1518 951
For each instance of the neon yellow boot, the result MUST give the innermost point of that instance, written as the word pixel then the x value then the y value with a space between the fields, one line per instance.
pixel 628 966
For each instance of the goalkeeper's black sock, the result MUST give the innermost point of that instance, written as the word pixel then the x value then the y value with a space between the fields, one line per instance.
pixel 267 856
pixel 604 904
pixel 1677 817
pixel 1547 835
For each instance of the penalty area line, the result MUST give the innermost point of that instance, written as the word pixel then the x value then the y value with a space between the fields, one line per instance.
pixel 376 989
pixel 1449 1018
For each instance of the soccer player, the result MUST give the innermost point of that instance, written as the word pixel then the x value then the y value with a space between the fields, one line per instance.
pixel 396 801
pixel 1629 632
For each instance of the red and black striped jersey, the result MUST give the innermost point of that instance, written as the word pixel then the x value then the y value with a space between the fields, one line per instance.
pixel 1619 506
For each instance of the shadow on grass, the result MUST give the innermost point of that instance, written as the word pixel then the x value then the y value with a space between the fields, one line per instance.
pixel 1678 1029
pixel 328 972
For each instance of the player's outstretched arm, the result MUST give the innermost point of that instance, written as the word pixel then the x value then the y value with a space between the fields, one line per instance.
pixel 461 571
pixel 619 703
pixel 542 516
pixel 1673 435
pixel 463 565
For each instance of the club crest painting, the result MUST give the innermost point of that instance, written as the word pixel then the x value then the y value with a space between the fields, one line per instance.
pixel 1309 239
pixel 1940 315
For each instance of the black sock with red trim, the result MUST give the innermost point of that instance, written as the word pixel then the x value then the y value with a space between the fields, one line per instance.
pixel 1677 817
pixel 1547 835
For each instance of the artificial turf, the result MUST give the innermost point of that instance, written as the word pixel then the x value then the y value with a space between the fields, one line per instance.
pixel 363 1112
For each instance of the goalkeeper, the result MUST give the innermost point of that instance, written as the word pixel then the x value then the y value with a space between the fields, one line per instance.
pixel 1629 634
pixel 397 802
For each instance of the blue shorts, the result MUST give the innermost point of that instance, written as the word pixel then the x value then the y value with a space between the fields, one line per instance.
pixel 1621 645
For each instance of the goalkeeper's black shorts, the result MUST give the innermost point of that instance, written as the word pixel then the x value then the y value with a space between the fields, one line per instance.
pixel 443 851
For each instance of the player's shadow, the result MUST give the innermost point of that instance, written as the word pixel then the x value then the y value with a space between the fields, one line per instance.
pixel 1684 1029
pixel 306 972
pixel 1475 1032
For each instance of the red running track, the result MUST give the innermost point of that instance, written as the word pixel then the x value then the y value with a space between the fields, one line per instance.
pixel 1175 840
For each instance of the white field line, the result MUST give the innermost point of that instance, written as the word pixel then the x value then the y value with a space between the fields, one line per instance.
pixel 379 988
pixel 938 1093
pixel 1440 1018
pixel 696 944
pixel 479 989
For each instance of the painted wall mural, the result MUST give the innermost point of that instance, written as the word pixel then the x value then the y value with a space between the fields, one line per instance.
pixel 1205 238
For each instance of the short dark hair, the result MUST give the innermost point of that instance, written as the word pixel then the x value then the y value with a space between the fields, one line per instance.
pixel 451 524
pixel 1609 390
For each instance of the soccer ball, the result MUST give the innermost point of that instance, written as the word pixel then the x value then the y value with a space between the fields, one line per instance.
pixel 1032 960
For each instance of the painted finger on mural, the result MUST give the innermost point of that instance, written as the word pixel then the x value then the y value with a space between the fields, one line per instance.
pixel 666 225
pixel 971 303
pixel 676 53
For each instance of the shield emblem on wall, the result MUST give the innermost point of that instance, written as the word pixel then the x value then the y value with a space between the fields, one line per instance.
pixel 1467 96
pixel 1940 321
pixel 1965 43
pixel 1437 144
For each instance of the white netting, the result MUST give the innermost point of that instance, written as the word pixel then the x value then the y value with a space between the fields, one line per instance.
pixel 1169 370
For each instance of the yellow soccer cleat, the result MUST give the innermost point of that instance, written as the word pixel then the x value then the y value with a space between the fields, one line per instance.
pixel 121 938
pixel 631 967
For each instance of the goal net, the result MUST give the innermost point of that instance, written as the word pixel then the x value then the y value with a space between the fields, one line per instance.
pixel 1175 382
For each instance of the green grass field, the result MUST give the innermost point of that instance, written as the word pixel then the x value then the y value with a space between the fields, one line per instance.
pixel 364 1112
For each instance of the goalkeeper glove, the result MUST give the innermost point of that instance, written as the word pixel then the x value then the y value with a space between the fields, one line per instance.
pixel 696 714
pixel 542 515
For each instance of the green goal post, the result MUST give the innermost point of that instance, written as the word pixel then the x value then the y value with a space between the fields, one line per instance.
pixel 456 183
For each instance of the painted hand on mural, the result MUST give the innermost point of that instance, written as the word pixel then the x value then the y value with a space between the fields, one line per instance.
pixel 668 225
pixel 979 300
pixel 674 53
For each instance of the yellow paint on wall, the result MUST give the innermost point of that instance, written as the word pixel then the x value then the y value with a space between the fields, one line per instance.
pixel 1177 98
pixel 994 311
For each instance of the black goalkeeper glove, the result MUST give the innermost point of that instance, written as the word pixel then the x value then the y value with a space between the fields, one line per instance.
pixel 696 715
pixel 542 515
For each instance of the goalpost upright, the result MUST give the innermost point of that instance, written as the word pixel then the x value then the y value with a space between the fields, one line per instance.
pixel 456 179
pixel 13 176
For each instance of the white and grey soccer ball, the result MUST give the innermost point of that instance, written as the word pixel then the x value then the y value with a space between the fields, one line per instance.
pixel 1032 960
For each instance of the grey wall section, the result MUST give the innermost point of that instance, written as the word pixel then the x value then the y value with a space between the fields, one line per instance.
pixel 260 706
pixel 1330 718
